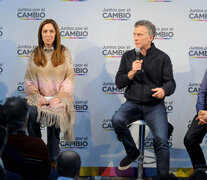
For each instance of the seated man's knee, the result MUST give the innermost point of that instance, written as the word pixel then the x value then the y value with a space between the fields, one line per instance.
pixel 187 141
pixel 161 142
pixel 116 121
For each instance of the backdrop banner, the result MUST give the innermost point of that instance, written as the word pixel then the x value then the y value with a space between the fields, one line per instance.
pixel 97 33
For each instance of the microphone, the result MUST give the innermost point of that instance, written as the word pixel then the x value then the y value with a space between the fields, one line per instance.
pixel 137 51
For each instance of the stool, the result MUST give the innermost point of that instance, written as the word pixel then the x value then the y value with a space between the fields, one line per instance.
pixel 141 140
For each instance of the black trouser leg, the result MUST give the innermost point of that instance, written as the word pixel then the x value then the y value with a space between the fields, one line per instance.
pixel 192 141
pixel 53 133
pixel 32 126
pixel 53 140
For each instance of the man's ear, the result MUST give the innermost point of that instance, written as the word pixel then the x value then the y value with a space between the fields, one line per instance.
pixel 151 38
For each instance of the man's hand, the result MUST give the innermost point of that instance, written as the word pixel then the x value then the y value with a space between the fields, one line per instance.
pixel 136 65
pixel 202 117
pixel 159 93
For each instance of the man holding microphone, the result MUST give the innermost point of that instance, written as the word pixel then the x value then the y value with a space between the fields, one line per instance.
pixel 148 77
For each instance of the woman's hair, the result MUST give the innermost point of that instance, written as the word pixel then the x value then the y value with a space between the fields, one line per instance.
pixel 58 54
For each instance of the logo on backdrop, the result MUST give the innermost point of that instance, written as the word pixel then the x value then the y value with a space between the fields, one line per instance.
pixel 1 69
pixel 169 106
pixel 193 88
pixel 74 32
pixel 25 50
pixel 114 51
pixel 198 14
pixel 31 13
pixel 111 88
pixel 165 33
pixel 79 143
pixel 189 123
pixel 81 106
pixel 20 87
pixel 1 31
pixel 116 14
pixel 81 69
pixel 107 125
pixel 149 143
pixel 197 52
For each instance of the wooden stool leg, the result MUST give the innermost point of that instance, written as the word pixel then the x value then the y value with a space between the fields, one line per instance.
pixel 141 148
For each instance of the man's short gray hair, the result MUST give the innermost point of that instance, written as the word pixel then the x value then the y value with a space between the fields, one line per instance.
pixel 68 164
pixel 150 27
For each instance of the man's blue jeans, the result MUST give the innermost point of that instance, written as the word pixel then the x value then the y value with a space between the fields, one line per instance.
pixel 156 118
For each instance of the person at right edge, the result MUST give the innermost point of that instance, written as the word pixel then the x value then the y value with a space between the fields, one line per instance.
pixel 147 81
pixel 198 129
